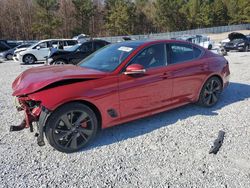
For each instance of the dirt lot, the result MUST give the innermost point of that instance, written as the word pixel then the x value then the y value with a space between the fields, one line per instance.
pixel 166 150
pixel 220 36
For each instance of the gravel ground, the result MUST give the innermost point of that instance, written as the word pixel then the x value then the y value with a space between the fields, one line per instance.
pixel 166 150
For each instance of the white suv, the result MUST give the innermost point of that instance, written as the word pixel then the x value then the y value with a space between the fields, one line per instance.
pixel 39 51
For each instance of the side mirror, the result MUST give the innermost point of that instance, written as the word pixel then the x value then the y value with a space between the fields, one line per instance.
pixel 135 69
pixel 38 47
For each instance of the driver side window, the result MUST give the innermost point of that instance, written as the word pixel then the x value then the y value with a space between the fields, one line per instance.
pixel 87 47
pixel 153 56
pixel 43 45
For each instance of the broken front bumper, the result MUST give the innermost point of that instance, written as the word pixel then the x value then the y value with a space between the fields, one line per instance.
pixel 34 113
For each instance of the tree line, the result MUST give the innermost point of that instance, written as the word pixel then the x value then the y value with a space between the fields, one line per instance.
pixel 39 19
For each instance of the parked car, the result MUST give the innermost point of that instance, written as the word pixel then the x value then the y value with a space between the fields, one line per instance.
pixel 76 53
pixel 82 38
pixel 238 42
pixel 201 40
pixel 8 54
pixel 40 51
pixel 118 83
pixel 4 46
pixel 8 44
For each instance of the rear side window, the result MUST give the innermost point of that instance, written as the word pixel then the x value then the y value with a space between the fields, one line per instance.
pixel 183 52
pixel 98 45
pixel 71 42
pixel 86 47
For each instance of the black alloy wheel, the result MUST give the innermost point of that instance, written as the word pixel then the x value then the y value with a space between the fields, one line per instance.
pixel 71 127
pixel 210 92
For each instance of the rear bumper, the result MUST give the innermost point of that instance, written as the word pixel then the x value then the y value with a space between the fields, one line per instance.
pixel 226 81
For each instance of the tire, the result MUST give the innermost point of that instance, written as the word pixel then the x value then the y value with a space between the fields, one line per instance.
pixel 71 127
pixel 209 47
pixel 246 49
pixel 29 59
pixel 59 62
pixel 9 57
pixel 210 92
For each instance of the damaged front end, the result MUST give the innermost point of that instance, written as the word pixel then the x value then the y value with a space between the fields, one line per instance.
pixel 34 113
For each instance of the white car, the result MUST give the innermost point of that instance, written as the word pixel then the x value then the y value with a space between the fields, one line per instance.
pixel 201 40
pixel 39 51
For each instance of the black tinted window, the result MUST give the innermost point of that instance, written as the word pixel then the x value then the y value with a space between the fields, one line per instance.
pixel 86 47
pixel 197 52
pixel 153 56
pixel 71 42
pixel 98 45
pixel 3 46
pixel 184 52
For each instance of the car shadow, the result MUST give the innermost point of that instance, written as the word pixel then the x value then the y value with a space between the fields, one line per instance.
pixel 235 92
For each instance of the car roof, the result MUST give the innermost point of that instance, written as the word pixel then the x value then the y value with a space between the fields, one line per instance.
pixel 152 41
pixel 47 40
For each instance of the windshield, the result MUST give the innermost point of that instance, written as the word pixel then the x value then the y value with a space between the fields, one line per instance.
pixel 237 40
pixel 108 58
pixel 73 48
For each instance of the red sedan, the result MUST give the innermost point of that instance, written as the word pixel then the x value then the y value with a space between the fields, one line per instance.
pixel 118 83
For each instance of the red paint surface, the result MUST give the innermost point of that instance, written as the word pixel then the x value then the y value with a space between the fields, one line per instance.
pixel 133 97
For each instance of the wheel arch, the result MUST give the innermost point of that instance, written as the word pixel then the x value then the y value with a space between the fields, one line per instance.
pixel 205 80
pixel 30 55
pixel 90 105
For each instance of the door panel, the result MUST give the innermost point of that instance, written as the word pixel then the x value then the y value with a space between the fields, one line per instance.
pixel 150 91
pixel 42 53
pixel 188 73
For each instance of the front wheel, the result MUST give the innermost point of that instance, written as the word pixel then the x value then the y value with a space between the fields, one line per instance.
pixel 29 59
pixel 210 92
pixel 58 62
pixel 71 127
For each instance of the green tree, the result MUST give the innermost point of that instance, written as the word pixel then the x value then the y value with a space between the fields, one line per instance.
pixel 169 15
pixel 84 13
pixel 238 11
pixel 144 16
pixel 220 13
pixel 46 21
pixel 120 18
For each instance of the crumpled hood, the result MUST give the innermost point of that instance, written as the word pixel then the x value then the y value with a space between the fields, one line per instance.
pixel 236 35
pixel 37 78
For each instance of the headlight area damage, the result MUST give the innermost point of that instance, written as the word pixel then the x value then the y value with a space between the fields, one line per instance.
pixel 34 113
pixel 44 79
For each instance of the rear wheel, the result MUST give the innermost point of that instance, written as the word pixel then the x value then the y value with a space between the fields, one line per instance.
pixel 9 57
pixel 71 127
pixel 210 92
